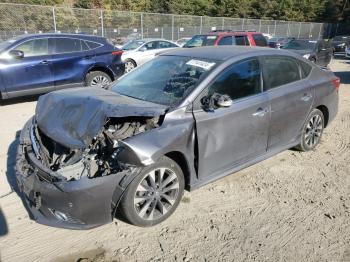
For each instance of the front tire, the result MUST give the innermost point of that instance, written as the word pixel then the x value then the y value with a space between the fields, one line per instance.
pixel 98 79
pixel 129 65
pixel 154 194
pixel 312 131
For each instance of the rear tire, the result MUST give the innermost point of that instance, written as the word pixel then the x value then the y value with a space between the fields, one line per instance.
pixel 154 194
pixel 97 79
pixel 312 131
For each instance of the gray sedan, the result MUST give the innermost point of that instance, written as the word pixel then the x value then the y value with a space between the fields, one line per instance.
pixel 89 155
pixel 138 52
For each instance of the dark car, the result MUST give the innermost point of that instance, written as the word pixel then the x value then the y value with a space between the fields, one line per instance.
pixel 129 151
pixel 221 37
pixel 318 51
pixel 36 64
pixel 340 43
pixel 279 41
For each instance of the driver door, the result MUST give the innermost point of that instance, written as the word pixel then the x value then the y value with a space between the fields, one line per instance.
pixel 31 74
pixel 148 51
pixel 229 136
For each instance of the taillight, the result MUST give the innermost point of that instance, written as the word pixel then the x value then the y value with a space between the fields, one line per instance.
pixel 117 52
pixel 336 82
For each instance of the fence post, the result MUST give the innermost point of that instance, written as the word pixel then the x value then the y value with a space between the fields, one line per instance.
pixel 310 30
pixel 259 25
pixel 288 31
pixel 299 30
pixel 102 26
pixel 200 29
pixel 319 33
pixel 141 25
pixel 242 24
pixel 274 32
pixel 54 19
pixel 172 28
pixel 223 23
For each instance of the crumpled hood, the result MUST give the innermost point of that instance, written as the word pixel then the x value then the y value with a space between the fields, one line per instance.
pixel 73 117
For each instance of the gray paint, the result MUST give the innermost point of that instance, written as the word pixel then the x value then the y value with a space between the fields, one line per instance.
pixel 223 141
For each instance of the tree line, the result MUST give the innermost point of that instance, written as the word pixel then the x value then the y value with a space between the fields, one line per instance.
pixel 291 10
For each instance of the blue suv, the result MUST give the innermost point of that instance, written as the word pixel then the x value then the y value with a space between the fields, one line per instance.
pixel 36 64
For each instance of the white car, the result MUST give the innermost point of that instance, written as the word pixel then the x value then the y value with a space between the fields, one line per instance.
pixel 138 52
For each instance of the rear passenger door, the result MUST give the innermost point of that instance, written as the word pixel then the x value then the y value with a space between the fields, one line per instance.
pixel 148 51
pixel 290 97
pixel 226 40
pixel 71 59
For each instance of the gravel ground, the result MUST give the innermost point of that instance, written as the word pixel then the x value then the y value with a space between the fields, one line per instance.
pixel 291 207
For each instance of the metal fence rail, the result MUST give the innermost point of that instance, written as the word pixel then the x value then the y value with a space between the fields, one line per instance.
pixel 19 19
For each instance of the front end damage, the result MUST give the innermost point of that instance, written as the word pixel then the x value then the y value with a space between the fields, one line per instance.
pixel 78 187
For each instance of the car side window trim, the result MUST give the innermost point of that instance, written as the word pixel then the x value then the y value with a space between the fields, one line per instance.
pixel 73 38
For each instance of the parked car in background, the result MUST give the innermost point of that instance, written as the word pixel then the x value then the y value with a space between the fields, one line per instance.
pixel 347 52
pixel 279 41
pixel 138 52
pixel 183 120
pixel 36 64
pixel 340 44
pixel 182 41
pixel 319 51
pixel 221 37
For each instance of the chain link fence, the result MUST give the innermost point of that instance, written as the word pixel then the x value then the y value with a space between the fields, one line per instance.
pixel 17 19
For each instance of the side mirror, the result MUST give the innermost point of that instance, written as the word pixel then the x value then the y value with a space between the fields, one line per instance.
pixel 142 49
pixel 210 103
pixel 17 54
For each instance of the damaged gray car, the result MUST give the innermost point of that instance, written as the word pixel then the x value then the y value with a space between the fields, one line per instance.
pixel 182 120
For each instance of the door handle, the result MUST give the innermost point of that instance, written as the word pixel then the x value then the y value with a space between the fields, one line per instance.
pixel 306 97
pixel 261 112
pixel 44 62
pixel 88 57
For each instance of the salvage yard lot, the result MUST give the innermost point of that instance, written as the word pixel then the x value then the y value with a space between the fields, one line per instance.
pixel 292 207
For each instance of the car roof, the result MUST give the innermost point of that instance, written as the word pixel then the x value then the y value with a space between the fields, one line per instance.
pixel 223 53
pixel 82 36
pixel 233 33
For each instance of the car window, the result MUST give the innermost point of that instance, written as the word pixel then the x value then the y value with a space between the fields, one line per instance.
pixel 67 45
pixel 259 40
pixel 164 44
pixel 320 45
pixel 240 80
pixel 92 45
pixel 151 45
pixel 227 40
pixel 84 46
pixel 37 47
pixel 280 71
pixel 201 40
pixel 305 69
pixel 241 40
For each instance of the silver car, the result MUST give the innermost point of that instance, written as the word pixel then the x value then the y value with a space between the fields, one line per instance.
pixel 91 154
pixel 138 52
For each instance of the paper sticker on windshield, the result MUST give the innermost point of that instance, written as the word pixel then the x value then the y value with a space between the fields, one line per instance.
pixel 201 64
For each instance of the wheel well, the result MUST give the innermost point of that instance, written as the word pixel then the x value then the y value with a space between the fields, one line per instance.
pixel 325 113
pixel 132 60
pixel 102 69
pixel 180 159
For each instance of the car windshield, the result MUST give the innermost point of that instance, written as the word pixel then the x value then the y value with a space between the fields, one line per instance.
pixel 165 80
pixel 132 45
pixel 201 40
pixel 300 45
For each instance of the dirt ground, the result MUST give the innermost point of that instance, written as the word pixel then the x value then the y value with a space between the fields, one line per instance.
pixel 292 207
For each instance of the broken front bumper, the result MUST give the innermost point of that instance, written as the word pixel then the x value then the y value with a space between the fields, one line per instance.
pixel 80 204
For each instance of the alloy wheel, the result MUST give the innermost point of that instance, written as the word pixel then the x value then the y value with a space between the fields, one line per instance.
pixel 100 81
pixel 156 194
pixel 313 131
pixel 129 66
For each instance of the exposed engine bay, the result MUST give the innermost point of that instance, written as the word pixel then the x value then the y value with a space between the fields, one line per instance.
pixel 100 158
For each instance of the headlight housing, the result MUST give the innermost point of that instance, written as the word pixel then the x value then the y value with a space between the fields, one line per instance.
pixel 306 56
